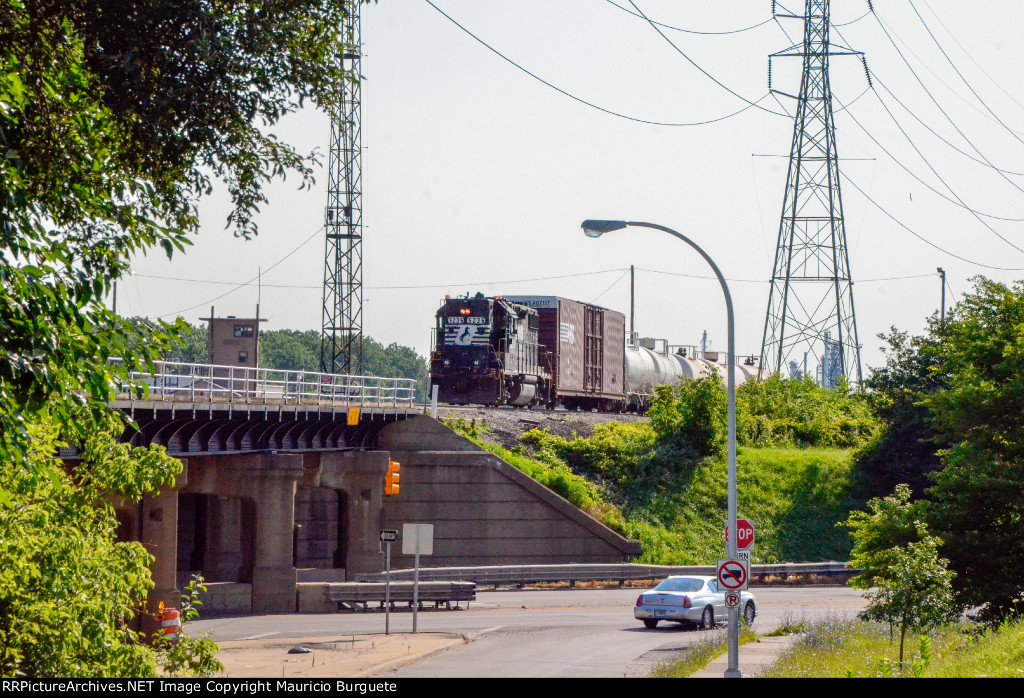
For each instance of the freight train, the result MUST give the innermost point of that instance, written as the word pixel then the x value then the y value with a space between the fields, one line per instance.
pixel 555 352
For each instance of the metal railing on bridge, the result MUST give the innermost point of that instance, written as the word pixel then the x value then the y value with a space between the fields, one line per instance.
pixel 205 383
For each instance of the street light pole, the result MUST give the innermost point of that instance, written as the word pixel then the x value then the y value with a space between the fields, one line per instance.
pixel 596 228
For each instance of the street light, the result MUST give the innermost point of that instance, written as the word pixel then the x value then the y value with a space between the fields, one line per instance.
pixel 597 228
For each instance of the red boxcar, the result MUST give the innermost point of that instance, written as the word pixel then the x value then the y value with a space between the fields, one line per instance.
pixel 585 345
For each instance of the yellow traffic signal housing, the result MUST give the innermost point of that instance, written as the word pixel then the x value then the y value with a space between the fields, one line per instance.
pixel 391 479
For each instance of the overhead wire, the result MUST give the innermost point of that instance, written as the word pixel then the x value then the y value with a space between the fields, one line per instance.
pixel 691 31
pixel 935 101
pixel 961 75
pixel 249 282
pixel 969 56
pixel 921 237
pixel 699 67
pixel 614 284
pixel 958 200
pixel 375 288
pixel 979 215
pixel 912 113
pixel 592 105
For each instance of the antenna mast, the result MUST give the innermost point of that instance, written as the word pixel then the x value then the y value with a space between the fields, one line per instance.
pixel 810 308
pixel 341 346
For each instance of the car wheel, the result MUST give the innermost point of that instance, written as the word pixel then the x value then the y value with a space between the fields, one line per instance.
pixel 749 613
pixel 650 623
pixel 707 619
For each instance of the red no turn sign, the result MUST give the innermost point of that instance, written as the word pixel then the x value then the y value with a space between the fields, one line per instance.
pixel 732 575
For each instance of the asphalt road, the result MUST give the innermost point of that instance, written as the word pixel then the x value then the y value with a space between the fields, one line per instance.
pixel 541 633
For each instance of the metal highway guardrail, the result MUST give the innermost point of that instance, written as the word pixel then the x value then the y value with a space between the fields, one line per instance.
pixel 204 383
pixel 834 572
pixel 355 595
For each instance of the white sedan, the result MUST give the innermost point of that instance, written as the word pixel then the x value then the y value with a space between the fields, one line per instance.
pixel 689 599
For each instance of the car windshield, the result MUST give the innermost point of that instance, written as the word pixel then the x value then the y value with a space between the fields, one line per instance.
pixel 680 584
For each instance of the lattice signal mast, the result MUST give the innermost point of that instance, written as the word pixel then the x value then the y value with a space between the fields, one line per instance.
pixel 341 347
pixel 812 292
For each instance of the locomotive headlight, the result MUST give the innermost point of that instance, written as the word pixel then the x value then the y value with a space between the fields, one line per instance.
pixel 447 362
pixel 477 362
pixel 464 311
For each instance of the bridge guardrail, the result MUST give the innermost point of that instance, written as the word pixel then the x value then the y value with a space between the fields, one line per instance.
pixel 834 572
pixel 204 383
pixel 353 595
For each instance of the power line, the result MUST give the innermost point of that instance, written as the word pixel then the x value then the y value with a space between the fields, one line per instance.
pixel 893 36
pixel 691 31
pixel 921 237
pixel 957 71
pixel 583 101
pixel 698 67
pixel 372 288
pixel 969 56
pixel 875 78
pixel 614 284
pixel 247 283
pixel 958 201
pixel 936 102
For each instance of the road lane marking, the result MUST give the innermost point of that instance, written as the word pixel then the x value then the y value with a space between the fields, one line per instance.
pixel 257 637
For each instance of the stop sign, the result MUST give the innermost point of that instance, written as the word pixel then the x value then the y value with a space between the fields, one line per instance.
pixel 745 534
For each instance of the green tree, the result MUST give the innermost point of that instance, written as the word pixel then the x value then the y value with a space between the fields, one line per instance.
pixel 691 416
pixel 979 416
pixel 290 350
pixel 905 448
pixel 907 584
pixel 68 589
pixel 116 116
pixel 889 523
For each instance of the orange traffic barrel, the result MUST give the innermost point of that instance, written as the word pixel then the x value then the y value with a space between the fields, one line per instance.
pixel 170 623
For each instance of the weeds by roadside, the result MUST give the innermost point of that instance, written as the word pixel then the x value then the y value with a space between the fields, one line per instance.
pixel 700 653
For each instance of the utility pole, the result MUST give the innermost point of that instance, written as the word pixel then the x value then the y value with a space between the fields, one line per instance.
pixel 632 301
pixel 942 277
pixel 811 287
pixel 341 345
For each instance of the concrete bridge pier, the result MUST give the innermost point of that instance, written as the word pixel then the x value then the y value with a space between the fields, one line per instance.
pixel 266 482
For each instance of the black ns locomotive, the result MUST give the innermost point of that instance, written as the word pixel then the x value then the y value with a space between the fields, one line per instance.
pixel 486 352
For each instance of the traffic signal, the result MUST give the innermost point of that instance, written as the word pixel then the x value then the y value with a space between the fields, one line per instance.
pixel 391 479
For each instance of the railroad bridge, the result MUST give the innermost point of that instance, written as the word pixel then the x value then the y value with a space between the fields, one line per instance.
pixel 283 478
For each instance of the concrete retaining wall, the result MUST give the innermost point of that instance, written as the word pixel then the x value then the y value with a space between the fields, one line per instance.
pixel 484 511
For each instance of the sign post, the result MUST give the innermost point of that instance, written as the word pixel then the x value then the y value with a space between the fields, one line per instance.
pixel 387 537
pixel 417 539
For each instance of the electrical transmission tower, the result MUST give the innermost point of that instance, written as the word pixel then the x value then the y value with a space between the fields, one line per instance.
pixel 341 346
pixel 810 308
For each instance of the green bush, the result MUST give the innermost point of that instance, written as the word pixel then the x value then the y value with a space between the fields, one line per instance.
pixel 787 412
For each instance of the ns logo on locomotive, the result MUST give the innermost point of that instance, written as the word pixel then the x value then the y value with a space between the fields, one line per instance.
pixel 551 351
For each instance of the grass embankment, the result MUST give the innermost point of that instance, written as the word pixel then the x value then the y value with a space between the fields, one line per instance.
pixel 841 647
pixel 795 496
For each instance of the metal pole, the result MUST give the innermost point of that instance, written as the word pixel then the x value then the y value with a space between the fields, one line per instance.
pixel 416 585
pixel 942 276
pixel 730 382
pixel 387 590
pixel 632 300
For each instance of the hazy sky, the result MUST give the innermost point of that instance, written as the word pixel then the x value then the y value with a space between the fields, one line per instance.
pixel 477 176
